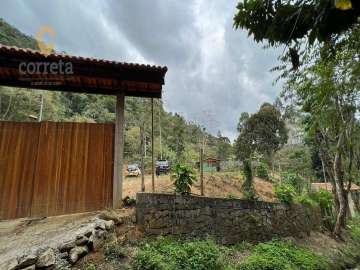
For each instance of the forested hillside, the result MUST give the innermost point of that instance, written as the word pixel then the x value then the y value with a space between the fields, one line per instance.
pixel 180 138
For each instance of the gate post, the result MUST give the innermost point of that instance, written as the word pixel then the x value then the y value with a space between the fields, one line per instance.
pixel 118 151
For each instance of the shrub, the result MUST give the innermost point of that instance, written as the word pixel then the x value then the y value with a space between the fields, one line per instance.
pixel 90 267
pixel 262 171
pixel 285 193
pixel 248 187
pixel 183 179
pixel 306 200
pixel 250 195
pixel 115 251
pixel 354 227
pixel 282 255
pixel 294 180
pixel 247 172
pixel 168 254
pixel 325 199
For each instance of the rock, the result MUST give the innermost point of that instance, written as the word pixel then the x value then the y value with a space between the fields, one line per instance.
pixel 31 267
pixel 100 224
pixel 81 240
pixel 46 259
pixel 97 240
pixel 67 246
pixel 111 216
pixel 109 225
pixel 26 260
pixel 63 255
pixel 88 233
pixel 77 252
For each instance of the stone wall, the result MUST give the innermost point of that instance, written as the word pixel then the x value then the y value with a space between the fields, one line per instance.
pixel 228 220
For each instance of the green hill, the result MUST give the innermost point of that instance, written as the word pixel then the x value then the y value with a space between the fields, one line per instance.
pixel 12 37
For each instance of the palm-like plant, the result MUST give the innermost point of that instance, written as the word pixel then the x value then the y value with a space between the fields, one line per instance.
pixel 183 177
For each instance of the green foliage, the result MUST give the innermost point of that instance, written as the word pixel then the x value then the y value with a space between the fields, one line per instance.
pixel 294 180
pixel 285 193
pixel 262 171
pixel 354 227
pixel 12 37
pixel 115 251
pixel 247 170
pixel 295 158
pixel 282 255
pixel 325 199
pixel 263 132
pixel 306 200
pixel 284 21
pixel 90 267
pixel 183 177
pixel 168 254
pixel 224 147
pixel 248 185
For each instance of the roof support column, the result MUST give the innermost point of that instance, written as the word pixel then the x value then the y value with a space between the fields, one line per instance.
pixel 118 151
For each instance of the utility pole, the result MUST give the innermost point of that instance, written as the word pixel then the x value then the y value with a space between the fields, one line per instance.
pixel 142 150
pixel 201 172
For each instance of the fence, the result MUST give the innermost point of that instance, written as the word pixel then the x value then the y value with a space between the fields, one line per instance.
pixel 53 168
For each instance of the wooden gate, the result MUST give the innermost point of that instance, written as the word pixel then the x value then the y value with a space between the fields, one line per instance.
pixel 54 168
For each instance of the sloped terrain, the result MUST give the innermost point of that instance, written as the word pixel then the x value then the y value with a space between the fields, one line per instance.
pixel 223 185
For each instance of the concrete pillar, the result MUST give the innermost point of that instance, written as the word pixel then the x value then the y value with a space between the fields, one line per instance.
pixel 118 151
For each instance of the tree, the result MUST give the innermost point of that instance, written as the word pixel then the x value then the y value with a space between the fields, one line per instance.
pixel 280 22
pixel 263 132
pixel 223 147
pixel 327 87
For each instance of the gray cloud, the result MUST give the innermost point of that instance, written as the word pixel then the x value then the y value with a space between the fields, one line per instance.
pixel 215 72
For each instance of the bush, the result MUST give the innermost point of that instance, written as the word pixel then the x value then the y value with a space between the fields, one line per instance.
pixel 168 254
pixel 305 199
pixel 282 255
pixel 183 179
pixel 262 171
pixel 354 228
pixel 325 199
pixel 294 180
pixel 285 193
pixel 248 187
pixel 250 195
pixel 115 251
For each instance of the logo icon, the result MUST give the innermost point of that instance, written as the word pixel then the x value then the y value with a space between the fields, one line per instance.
pixel 45 48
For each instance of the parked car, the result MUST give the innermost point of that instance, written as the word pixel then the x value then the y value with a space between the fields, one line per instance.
pixel 133 170
pixel 162 166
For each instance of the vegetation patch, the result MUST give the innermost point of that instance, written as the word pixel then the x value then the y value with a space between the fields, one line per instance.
pixel 282 255
pixel 169 254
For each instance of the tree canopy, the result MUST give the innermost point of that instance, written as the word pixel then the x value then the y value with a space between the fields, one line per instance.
pixel 280 21
pixel 263 132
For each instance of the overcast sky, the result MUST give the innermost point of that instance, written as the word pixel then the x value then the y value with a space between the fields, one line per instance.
pixel 215 72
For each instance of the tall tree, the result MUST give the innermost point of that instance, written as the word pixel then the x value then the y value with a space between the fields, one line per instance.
pixel 327 87
pixel 263 132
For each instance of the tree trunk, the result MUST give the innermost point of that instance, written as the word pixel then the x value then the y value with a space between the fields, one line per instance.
pixel 142 153
pixel 339 184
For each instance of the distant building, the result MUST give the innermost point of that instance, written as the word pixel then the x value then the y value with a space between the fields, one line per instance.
pixel 210 164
